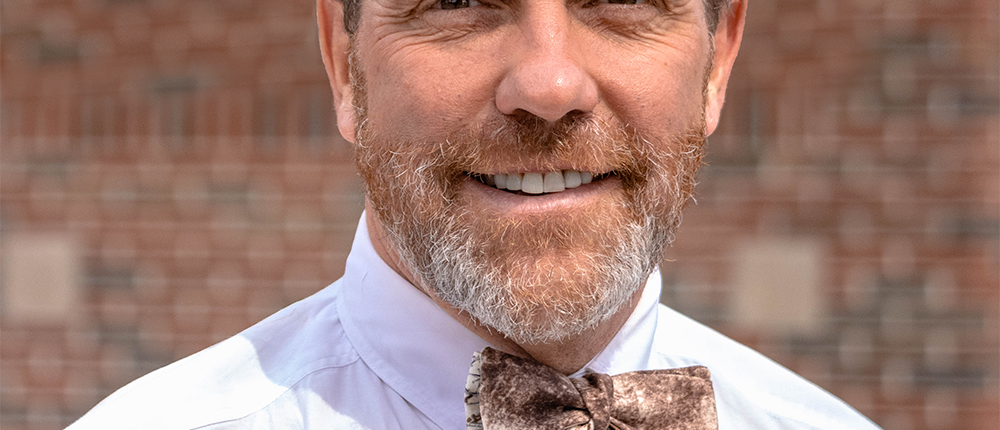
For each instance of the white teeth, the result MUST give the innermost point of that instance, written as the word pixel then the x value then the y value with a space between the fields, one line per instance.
pixel 514 181
pixel 539 183
pixel 532 183
pixel 572 178
pixel 553 182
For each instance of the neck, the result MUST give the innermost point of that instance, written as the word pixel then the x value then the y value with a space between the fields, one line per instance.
pixel 566 356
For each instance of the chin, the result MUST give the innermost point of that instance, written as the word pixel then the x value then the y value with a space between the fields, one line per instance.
pixel 539 280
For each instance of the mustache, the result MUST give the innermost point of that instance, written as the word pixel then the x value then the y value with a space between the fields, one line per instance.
pixel 523 126
pixel 578 140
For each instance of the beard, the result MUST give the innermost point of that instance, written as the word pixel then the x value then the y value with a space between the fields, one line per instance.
pixel 534 279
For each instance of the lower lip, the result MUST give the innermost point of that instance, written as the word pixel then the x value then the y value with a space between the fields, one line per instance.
pixel 516 203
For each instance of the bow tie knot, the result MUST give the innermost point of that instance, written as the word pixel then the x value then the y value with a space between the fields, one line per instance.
pixel 598 394
pixel 506 392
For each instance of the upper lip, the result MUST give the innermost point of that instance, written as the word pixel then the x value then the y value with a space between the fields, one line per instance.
pixel 546 169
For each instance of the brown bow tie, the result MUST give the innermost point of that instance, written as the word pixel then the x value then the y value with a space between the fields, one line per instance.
pixel 505 392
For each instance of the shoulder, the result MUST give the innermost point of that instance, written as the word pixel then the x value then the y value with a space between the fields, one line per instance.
pixel 239 376
pixel 751 390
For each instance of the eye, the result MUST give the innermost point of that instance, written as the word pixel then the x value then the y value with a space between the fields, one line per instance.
pixel 457 4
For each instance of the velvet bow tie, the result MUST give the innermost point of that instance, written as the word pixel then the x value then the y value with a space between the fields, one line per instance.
pixel 505 392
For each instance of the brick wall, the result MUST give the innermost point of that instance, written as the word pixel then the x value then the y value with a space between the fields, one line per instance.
pixel 170 173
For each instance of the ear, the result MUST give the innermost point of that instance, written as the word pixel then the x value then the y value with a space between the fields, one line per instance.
pixel 728 36
pixel 335 45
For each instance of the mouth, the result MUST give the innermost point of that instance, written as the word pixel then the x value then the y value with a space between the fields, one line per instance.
pixel 535 183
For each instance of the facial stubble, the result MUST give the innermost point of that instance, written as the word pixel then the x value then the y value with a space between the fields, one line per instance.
pixel 534 279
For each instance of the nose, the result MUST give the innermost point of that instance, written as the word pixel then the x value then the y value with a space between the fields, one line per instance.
pixel 548 78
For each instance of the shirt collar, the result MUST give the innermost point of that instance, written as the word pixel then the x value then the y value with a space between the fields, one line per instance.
pixel 632 346
pixel 423 353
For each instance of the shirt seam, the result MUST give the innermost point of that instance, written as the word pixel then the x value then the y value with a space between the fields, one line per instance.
pixel 771 410
pixel 289 388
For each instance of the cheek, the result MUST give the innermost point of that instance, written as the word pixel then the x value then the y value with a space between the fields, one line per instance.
pixel 428 93
pixel 656 86
pixel 656 97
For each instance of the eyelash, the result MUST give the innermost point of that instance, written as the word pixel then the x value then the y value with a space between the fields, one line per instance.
pixel 462 4
pixel 626 2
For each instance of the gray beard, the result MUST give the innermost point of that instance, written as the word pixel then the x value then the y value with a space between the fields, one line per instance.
pixel 448 256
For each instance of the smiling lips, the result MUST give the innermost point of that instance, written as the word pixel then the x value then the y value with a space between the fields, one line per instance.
pixel 539 183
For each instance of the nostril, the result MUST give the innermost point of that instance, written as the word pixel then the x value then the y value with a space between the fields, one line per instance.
pixel 549 87
pixel 574 116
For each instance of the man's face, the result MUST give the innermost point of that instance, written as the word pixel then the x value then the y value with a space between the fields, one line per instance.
pixel 449 94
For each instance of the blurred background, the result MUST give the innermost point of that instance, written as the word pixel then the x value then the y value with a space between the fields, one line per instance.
pixel 171 173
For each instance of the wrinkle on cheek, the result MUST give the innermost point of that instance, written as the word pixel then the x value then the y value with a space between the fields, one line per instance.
pixel 678 45
pixel 418 34
pixel 390 30
pixel 425 82
pixel 392 54
pixel 428 93
pixel 425 45
pixel 656 104
pixel 674 21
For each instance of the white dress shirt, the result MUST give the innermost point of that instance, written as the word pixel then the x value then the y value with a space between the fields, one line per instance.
pixel 372 352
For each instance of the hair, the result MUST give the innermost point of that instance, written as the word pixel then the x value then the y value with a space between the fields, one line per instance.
pixel 713 13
